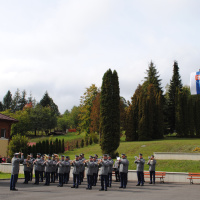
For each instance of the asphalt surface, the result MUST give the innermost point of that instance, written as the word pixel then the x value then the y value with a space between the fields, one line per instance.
pixel 173 191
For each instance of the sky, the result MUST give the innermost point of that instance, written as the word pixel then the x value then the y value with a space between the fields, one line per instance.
pixel 65 46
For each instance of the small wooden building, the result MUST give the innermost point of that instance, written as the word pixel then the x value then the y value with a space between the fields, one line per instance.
pixel 5 128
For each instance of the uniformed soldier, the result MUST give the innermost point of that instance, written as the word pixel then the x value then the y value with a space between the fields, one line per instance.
pixel 67 170
pixel 152 168
pixel 38 164
pixel 110 169
pixel 123 170
pixel 48 169
pixel 31 172
pixel 54 168
pixel 27 169
pixel 90 170
pixel 61 166
pixel 15 170
pixel 95 172
pixel 140 170
pixel 104 172
pixel 76 171
pixel 82 169
pixel 42 169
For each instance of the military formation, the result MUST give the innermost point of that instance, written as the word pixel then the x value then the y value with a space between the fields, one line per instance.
pixel 49 168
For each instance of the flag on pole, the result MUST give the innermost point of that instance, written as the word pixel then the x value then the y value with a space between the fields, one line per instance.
pixel 195 82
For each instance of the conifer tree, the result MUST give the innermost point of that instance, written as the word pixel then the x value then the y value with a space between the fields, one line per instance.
pixel 174 87
pixel 110 112
pixel 7 100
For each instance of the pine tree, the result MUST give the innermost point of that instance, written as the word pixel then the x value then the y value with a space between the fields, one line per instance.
pixel 174 87
pixel 47 147
pixel 7 100
pixel 47 101
pixel 23 101
pixel 1 106
pixel 110 113
pixel 196 116
pixel 63 145
pixel 16 101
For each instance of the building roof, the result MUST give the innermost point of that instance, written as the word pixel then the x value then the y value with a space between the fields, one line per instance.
pixel 7 118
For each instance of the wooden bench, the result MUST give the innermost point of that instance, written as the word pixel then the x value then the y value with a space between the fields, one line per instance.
pixel 160 175
pixel 193 176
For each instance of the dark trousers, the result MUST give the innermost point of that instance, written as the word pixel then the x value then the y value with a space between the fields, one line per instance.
pixel 53 177
pixel 61 176
pixel 81 175
pixel 140 176
pixel 66 178
pixel 104 181
pixel 90 181
pixel 47 181
pixel 123 179
pixel 152 174
pixel 13 181
pixel 41 174
pixel 31 174
pixel 27 176
pixel 95 175
pixel 76 180
pixel 37 173
pixel 117 176
pixel 109 179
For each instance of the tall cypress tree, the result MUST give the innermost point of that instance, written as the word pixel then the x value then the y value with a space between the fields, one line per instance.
pixel 174 87
pixel 110 113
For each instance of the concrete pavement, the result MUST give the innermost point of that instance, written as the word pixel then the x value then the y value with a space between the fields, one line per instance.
pixel 166 191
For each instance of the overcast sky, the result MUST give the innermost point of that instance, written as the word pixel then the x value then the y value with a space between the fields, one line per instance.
pixel 65 46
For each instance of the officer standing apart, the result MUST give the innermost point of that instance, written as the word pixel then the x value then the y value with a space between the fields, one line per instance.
pixel 110 169
pixel 123 170
pixel 152 168
pixel 104 172
pixel 61 168
pixel 76 172
pixel 140 170
pixel 15 170
pixel 90 169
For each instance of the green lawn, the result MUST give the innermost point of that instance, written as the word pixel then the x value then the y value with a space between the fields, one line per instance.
pixel 8 175
pixel 67 137
pixel 147 148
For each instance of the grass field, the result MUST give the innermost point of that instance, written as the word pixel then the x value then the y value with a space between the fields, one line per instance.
pixel 147 148
pixel 8 175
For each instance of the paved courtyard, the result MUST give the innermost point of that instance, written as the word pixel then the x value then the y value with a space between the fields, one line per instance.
pixel 173 191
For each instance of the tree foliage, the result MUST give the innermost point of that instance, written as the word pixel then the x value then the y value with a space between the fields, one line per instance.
pixel 110 113
pixel 18 144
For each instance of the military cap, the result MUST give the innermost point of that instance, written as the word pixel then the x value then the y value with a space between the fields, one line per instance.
pixel 91 157
pixel 39 154
pixel 105 155
pixel 62 156
pixel 76 156
pixel 96 155
pixel 140 154
pixel 123 154
pixel 67 157
pixel 16 154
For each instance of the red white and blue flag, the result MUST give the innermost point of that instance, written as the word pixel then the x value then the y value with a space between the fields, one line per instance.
pixel 195 82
